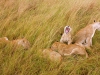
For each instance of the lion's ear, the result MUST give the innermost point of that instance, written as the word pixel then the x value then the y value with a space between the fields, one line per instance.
pixel 94 21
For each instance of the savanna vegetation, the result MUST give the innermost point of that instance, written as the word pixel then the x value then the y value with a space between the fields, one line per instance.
pixel 42 23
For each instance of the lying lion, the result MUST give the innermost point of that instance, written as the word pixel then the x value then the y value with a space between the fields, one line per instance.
pixel 21 42
pixel 52 55
pixel 3 42
pixel 4 39
pixel 65 50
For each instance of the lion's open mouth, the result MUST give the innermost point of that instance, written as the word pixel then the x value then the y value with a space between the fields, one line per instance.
pixel 67 30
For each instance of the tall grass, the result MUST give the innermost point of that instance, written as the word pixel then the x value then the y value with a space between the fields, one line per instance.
pixel 42 22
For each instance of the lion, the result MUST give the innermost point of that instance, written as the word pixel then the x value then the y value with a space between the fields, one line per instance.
pixel 65 50
pixel 52 55
pixel 66 37
pixel 85 35
pixel 3 42
pixel 3 38
pixel 21 42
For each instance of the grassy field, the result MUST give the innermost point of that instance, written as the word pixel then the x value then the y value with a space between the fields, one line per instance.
pixel 42 23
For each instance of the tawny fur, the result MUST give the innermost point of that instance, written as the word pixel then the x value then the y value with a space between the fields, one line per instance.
pixel 4 38
pixel 66 37
pixel 21 42
pixel 85 35
pixel 64 49
pixel 52 55
pixel 3 42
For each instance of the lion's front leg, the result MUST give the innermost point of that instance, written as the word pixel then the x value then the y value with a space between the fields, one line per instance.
pixel 88 43
pixel 69 41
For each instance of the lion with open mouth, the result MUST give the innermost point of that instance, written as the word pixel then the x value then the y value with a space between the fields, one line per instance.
pixel 66 37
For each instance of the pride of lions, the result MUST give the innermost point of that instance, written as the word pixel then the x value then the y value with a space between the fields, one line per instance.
pixel 75 45
pixel 67 45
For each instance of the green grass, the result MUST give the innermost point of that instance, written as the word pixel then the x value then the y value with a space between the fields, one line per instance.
pixel 42 22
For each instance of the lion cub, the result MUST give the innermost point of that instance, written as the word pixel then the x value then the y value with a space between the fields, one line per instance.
pixel 64 49
pixel 85 35
pixel 52 55
pixel 66 37
pixel 21 42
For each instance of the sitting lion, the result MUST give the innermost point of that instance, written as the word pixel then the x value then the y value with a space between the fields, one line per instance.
pixel 66 37
pixel 84 36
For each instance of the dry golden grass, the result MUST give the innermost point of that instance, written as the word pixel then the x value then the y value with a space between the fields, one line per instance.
pixel 42 22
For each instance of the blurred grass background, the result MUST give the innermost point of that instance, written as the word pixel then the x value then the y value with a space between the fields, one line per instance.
pixel 42 23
